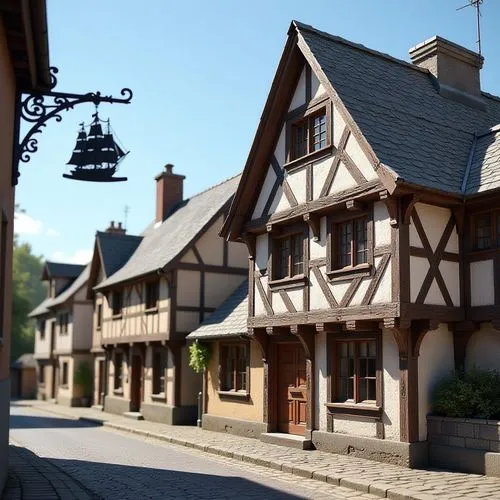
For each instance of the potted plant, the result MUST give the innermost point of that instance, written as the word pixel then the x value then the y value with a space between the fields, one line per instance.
pixel 84 378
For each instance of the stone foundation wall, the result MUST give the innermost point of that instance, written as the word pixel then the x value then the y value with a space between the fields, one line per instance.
pixel 468 445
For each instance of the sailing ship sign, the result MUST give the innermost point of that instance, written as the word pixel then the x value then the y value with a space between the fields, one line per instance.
pixel 96 155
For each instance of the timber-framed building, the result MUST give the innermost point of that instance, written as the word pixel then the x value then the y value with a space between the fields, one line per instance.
pixel 151 290
pixel 369 204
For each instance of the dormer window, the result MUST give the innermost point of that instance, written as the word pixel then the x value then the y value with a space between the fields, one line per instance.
pixel 309 135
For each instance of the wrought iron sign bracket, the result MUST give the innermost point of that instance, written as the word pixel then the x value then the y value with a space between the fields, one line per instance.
pixel 39 107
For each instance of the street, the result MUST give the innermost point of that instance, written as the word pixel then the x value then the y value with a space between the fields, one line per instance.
pixel 110 464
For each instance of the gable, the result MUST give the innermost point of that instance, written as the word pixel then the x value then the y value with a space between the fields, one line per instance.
pixel 342 166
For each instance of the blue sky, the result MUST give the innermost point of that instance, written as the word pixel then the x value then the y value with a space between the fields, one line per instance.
pixel 200 72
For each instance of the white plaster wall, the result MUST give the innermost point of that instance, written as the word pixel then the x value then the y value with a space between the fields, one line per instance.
pixel 82 326
pixel 354 427
pixel 299 96
pixel 354 150
pixel 419 267
pixel 297 182
pixel 320 171
pixel 317 298
pixel 338 288
pixel 211 245
pixel 188 288
pixel 361 291
pixel 451 275
pixel 317 88
pixel 342 180
pixel 390 386
pixel 189 258
pixel 64 341
pixel 434 295
pixel 415 240
pixel 483 349
pixel 384 291
pixel 317 249
pixel 42 346
pixel 297 297
pixel 482 283
pixel 280 152
pixel 261 251
pixel 237 255
pixel 382 227
pixel 279 306
pixel 186 321
pixel 280 202
pixel 258 304
pixel 218 287
pixel 338 126
pixel 436 362
pixel 265 191
pixel 320 380
pixel 434 220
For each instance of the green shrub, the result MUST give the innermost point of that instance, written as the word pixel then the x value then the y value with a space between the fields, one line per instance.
pixel 199 356
pixel 472 394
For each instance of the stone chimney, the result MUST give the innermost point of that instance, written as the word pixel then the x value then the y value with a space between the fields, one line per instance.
pixel 118 229
pixel 169 188
pixel 455 68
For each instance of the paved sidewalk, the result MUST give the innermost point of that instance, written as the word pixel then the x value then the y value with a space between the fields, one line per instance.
pixel 380 479
pixel 34 478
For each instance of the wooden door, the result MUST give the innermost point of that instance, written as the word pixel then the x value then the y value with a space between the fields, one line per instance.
pixel 136 386
pixel 292 390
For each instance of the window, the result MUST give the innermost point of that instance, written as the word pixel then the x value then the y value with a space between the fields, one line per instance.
pixel 151 295
pixel 289 260
pixel 41 328
pixel 117 303
pixel 64 378
pixel 118 376
pixel 357 371
pixel 41 374
pixel 351 245
pixel 159 367
pixel 63 323
pixel 99 316
pixel 234 367
pixel 309 135
pixel 487 231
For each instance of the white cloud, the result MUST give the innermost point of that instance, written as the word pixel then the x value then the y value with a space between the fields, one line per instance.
pixel 82 256
pixel 24 224
pixel 51 232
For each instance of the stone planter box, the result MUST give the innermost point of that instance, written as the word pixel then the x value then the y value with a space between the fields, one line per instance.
pixel 469 445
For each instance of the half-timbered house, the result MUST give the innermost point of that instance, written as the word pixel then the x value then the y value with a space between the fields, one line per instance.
pixel 159 288
pixel 369 204
pixel 63 334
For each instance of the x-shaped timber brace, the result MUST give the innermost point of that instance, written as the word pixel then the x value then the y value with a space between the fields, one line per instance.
pixel 34 109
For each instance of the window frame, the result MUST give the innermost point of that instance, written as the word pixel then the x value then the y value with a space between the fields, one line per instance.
pixel 157 394
pixel 64 374
pixel 276 242
pixel 334 221
pixel 63 321
pixel 99 316
pixel 494 216
pixel 41 375
pixel 41 327
pixel 117 311
pixel 223 390
pixel 150 305
pixel 300 115
pixel 118 374
pixel 355 408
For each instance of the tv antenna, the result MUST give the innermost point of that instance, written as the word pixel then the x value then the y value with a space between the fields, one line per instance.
pixel 477 5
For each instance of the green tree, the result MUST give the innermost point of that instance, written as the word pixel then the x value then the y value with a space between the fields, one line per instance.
pixel 27 292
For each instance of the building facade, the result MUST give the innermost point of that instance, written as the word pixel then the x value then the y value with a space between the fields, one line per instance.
pixel 24 66
pixel 63 336
pixel 157 291
pixel 368 205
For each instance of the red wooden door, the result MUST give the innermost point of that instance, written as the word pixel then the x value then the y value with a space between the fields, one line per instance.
pixel 292 389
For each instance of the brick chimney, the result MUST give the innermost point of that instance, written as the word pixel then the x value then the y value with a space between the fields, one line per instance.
pixel 118 229
pixel 455 68
pixel 169 188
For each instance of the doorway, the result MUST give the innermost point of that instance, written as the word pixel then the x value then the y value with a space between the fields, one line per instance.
pixel 292 392
pixel 136 385
pixel 100 382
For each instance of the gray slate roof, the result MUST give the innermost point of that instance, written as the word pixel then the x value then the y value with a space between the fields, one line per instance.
pixel 423 137
pixel 484 172
pixel 62 270
pixel 116 249
pixel 49 303
pixel 229 319
pixel 163 243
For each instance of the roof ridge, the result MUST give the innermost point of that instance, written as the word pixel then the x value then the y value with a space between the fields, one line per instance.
pixel 113 235
pixel 358 46
pixel 211 187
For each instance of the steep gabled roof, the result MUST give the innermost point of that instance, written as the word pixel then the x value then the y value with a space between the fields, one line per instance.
pixel 42 308
pixel 229 319
pixel 411 133
pixel 163 243
pixel 53 270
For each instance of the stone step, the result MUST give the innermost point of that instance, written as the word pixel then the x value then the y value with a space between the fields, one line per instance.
pixel 289 440
pixel 97 407
pixel 134 415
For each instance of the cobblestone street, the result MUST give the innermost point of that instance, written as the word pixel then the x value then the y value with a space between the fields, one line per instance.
pixel 56 457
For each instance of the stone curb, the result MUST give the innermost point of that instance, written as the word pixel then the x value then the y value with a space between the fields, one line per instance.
pixel 379 489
